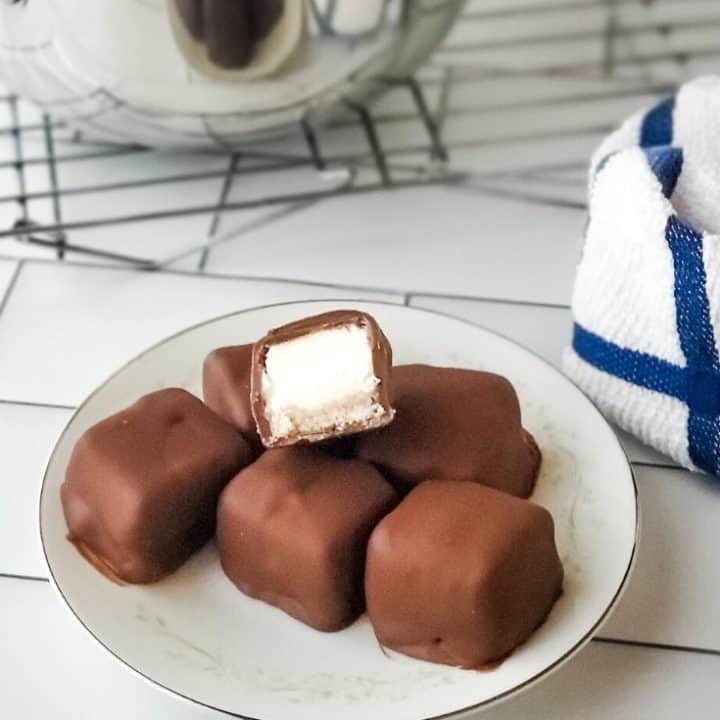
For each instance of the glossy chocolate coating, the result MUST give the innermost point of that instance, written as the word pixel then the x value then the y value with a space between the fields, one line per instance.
pixel 461 574
pixel 454 424
pixel 141 487
pixel 381 360
pixel 292 530
pixel 226 389
pixel 230 29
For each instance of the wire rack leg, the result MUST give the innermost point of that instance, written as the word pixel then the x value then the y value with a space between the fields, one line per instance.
pixel 54 186
pixel 19 164
pixel 438 150
pixel 312 143
pixel 217 215
pixel 368 125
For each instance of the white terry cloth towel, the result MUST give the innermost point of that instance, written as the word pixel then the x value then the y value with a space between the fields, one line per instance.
pixel 646 301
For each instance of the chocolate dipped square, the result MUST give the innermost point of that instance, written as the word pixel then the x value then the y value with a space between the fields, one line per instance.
pixel 461 574
pixel 454 424
pixel 226 389
pixel 141 486
pixel 292 531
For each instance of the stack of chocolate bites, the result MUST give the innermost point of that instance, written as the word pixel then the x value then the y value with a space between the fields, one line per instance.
pixel 332 482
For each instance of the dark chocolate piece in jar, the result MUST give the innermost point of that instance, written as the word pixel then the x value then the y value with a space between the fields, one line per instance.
pixel 141 488
pixel 321 377
pixel 454 424
pixel 264 15
pixel 191 13
pixel 230 29
pixel 292 531
pixel 461 574
pixel 226 389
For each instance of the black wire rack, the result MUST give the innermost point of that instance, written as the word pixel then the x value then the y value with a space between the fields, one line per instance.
pixel 641 49
pixel 61 145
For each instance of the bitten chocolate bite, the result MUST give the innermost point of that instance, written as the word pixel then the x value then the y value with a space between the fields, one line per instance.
pixel 321 377
pixel 292 530
pixel 226 389
pixel 461 574
pixel 454 424
pixel 141 487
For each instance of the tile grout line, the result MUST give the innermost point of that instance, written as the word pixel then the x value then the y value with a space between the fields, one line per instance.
pixel 32 403
pixel 412 294
pixel 11 285
pixel 415 295
pixel 657 646
pixel 519 196
pixel 26 578
pixel 539 8
pixel 660 465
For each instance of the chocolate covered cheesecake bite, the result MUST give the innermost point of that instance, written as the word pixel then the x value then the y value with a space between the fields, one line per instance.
pixel 457 425
pixel 141 487
pixel 292 531
pixel 461 574
pixel 321 377
pixel 226 389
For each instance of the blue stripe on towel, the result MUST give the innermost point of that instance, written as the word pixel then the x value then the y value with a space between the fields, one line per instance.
pixel 657 125
pixel 697 340
pixel 699 389
pixel 633 366
pixel 698 383
pixel 666 162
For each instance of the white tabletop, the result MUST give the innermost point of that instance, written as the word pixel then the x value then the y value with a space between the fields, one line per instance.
pixel 499 248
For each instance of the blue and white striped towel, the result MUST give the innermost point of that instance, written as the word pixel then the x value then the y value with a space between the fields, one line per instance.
pixel 647 294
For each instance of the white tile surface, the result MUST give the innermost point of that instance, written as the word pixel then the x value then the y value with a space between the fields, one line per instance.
pixel 672 597
pixel 564 119
pixel 11 247
pixel 77 680
pixel 165 237
pixel 28 437
pixel 156 240
pixel 484 159
pixel 417 240
pixel 66 328
pixel 535 188
pixel 544 330
pixel 608 682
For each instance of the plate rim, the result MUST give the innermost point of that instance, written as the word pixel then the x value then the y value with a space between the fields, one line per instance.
pixel 460 712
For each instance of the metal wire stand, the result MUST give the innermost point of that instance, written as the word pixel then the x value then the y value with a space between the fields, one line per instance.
pixel 646 47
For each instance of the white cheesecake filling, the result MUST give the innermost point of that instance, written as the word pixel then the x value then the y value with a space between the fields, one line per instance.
pixel 320 382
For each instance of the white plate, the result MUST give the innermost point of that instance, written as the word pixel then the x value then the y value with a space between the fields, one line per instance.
pixel 195 635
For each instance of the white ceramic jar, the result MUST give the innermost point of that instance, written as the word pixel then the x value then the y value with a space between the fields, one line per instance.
pixel 139 70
